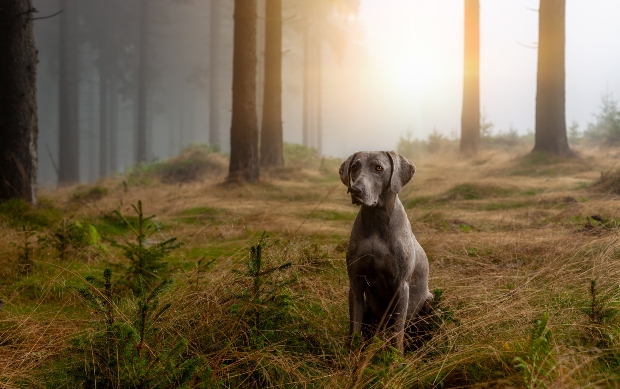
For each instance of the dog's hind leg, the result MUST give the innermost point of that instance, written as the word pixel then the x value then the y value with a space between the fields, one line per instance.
pixel 369 323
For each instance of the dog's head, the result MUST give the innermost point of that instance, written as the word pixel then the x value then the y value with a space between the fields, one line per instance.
pixel 369 174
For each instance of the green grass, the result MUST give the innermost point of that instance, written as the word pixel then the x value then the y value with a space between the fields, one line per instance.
pixel 472 191
pixel 200 215
pixel 18 212
pixel 498 278
pixel 334 215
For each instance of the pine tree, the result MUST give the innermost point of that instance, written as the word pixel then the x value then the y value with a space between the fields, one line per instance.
pixel 550 83
pixel 18 105
pixel 244 163
pixel 470 116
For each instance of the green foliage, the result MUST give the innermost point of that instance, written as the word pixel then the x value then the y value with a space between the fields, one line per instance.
pixel 606 128
pixel 90 194
pixel 432 320
pixel 415 148
pixel 325 214
pixel 146 261
pixel 18 212
pixel 574 135
pixel 200 215
pixel 135 352
pixel 71 236
pixel 410 147
pixel 476 191
pixel 194 163
pixel 386 361
pixel 601 314
pixel 538 364
pixel 25 254
pixel 502 139
pixel 268 296
pixel 297 154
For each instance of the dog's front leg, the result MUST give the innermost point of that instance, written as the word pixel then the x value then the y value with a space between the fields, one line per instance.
pixel 400 315
pixel 356 307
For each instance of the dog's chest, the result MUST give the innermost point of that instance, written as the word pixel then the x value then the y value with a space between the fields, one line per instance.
pixel 374 257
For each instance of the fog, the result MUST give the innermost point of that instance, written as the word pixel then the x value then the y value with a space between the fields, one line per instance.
pixel 392 67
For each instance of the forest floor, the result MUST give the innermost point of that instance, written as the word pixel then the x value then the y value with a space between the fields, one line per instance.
pixel 524 257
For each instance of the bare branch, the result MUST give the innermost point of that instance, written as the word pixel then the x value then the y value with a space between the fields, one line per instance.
pixel 48 16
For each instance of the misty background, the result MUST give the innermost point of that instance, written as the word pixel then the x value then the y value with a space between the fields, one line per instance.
pixel 388 68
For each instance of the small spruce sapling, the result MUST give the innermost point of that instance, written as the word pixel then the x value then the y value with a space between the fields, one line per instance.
pixel 134 351
pixel 601 314
pixel 73 237
pixel 25 254
pixel 267 295
pixel 146 262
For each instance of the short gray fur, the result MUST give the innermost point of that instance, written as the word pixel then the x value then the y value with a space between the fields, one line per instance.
pixel 387 267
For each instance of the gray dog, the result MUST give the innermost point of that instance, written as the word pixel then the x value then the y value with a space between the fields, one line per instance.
pixel 388 269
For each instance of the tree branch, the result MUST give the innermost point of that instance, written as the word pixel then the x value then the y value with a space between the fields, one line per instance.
pixel 48 16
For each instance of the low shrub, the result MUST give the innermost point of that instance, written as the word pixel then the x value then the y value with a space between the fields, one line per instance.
pixel 193 164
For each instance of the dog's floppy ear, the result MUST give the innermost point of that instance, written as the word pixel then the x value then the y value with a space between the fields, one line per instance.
pixel 402 171
pixel 345 171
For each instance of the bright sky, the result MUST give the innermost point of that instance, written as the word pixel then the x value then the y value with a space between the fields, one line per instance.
pixel 416 49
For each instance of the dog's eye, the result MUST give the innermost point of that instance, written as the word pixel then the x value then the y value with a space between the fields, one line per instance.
pixel 353 168
pixel 379 168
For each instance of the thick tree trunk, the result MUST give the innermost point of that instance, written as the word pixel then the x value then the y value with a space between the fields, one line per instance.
pixel 244 127
pixel 214 75
pixel 18 104
pixel 271 129
pixel 92 134
pixel 113 122
pixel 141 139
pixel 305 126
pixel 104 127
pixel 69 130
pixel 550 84
pixel 470 115
pixel 319 90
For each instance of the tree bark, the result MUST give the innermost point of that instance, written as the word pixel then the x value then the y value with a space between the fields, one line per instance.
pixel 18 104
pixel 271 129
pixel 68 90
pixel 319 89
pixel 244 128
pixel 470 115
pixel 550 84
pixel 113 122
pixel 214 75
pixel 104 135
pixel 141 139
pixel 305 126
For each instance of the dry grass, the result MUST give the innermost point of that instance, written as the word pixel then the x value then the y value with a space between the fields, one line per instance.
pixel 528 241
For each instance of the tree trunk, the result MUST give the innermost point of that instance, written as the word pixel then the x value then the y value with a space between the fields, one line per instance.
pixel 141 150
pixel 319 84
pixel 271 129
pixel 550 84
pixel 18 104
pixel 69 132
pixel 305 126
pixel 214 75
pixel 104 135
pixel 244 127
pixel 113 122
pixel 92 134
pixel 470 115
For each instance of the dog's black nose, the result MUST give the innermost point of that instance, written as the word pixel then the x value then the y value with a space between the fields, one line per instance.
pixel 356 190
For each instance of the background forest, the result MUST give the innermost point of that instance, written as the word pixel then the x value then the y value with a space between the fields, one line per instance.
pixel 171 214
